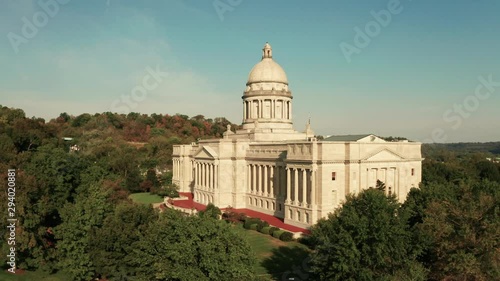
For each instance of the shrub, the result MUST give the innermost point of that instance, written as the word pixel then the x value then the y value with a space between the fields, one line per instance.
pixel 242 217
pixel 262 224
pixel 306 240
pixel 250 221
pixel 265 230
pixel 277 233
pixel 286 236
pixel 253 226
pixel 273 229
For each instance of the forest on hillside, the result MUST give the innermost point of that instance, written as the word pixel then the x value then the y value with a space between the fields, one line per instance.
pixel 74 215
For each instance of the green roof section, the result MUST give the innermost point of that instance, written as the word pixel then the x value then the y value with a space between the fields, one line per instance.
pixel 346 137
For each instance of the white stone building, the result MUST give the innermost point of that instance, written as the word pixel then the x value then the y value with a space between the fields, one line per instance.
pixel 269 167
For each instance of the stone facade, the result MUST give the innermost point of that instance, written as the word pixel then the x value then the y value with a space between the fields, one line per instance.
pixel 269 167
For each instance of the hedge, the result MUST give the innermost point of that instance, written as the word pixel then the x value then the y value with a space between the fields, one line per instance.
pixel 277 233
pixel 286 236
pixel 250 221
pixel 265 230
pixel 262 224
pixel 253 226
pixel 273 229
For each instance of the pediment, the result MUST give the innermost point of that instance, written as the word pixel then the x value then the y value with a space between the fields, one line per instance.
pixel 384 155
pixel 206 152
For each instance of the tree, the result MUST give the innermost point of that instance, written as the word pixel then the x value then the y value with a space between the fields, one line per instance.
pixel 463 234
pixel 112 245
pixel 366 239
pixel 211 211
pixel 79 219
pixel 179 247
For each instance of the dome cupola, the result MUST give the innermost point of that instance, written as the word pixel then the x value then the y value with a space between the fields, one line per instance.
pixel 267 101
pixel 267 70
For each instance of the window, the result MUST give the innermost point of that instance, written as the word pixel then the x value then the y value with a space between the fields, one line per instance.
pixel 261 203
pixel 334 176
pixel 267 205
pixel 412 172
pixel 279 206
pixel 298 215
pixel 274 206
pixel 307 218
pixel 290 214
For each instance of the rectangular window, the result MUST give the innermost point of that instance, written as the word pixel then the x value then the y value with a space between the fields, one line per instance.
pixel 334 176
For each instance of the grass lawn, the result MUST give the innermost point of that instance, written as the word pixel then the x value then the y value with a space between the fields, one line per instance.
pixel 32 276
pixel 146 198
pixel 276 258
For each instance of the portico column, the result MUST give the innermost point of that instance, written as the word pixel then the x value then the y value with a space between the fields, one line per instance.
pixel 273 180
pixel 278 180
pixel 254 182
pixel 202 175
pixel 296 186
pixel 249 178
pixel 288 185
pixel 259 182
pixel 313 188
pixel 216 176
pixel 210 175
pixel 197 175
pixel 304 187
pixel 205 175
pixel 266 193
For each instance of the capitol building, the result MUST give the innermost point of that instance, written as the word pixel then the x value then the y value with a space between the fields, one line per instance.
pixel 269 167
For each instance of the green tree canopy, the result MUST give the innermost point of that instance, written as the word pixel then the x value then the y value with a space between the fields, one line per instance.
pixel 185 248
pixel 366 239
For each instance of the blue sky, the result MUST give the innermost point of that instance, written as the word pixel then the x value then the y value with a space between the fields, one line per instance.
pixel 416 77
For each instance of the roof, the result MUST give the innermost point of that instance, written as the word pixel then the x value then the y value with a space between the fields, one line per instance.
pixel 346 137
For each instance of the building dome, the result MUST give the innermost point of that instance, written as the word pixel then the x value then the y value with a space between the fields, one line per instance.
pixel 267 70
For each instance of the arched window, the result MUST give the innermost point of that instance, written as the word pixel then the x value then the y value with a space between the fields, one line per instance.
pixel 298 215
